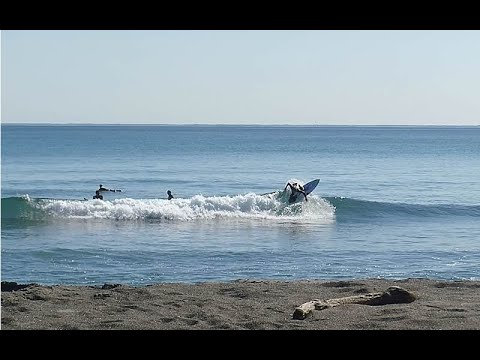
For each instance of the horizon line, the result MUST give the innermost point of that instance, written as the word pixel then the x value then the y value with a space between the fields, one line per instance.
pixel 225 124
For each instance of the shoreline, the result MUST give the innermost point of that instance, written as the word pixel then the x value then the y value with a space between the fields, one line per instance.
pixel 241 304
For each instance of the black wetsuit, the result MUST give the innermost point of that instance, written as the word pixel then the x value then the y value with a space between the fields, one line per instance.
pixel 296 189
pixel 97 195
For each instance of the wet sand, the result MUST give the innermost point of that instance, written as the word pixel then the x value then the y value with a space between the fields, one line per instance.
pixel 242 304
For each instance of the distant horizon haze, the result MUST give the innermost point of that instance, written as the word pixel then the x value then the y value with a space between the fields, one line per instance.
pixel 241 77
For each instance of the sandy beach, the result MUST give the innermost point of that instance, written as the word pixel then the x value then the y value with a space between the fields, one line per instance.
pixel 242 304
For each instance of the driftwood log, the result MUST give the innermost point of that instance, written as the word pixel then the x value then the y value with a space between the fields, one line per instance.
pixel 393 295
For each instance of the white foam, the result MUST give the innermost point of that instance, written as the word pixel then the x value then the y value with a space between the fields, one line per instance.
pixel 246 206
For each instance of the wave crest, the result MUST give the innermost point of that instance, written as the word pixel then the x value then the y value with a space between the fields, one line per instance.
pixel 246 206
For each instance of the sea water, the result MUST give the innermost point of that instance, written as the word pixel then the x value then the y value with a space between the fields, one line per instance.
pixel 392 202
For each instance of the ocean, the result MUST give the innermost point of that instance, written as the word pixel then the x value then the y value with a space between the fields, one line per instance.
pixel 393 202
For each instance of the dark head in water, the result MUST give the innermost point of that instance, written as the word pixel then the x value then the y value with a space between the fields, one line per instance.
pixel 170 196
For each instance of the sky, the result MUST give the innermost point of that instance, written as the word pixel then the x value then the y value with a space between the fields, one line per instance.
pixel 284 77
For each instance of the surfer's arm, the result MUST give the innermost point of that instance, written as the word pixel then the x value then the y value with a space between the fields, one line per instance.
pixel 112 190
pixel 303 192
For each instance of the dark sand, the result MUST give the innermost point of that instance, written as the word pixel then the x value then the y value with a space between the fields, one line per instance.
pixel 242 304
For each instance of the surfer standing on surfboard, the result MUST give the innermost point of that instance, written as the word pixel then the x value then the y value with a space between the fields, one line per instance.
pixel 296 188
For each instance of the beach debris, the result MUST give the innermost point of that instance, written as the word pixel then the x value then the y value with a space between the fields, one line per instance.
pixel 101 296
pixel 393 295
pixel 109 286
pixel 8 286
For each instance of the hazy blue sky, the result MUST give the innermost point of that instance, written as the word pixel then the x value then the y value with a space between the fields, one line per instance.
pixel 240 77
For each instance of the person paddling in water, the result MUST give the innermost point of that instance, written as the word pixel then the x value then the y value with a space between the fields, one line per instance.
pixel 105 189
pixel 296 188
pixel 170 196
